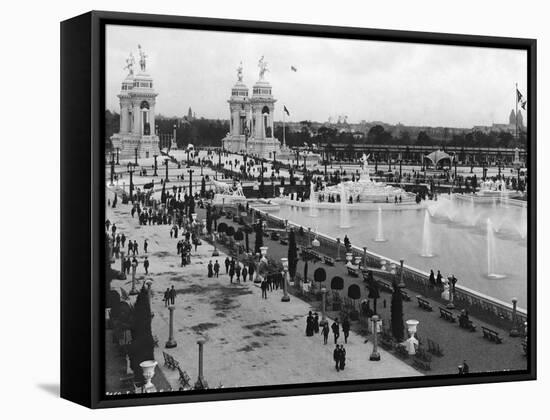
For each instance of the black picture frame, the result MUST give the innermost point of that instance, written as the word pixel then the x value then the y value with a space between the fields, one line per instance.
pixel 83 204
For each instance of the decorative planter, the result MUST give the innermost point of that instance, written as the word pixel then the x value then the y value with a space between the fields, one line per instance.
pixel 148 367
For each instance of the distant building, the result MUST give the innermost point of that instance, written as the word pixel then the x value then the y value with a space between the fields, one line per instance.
pixel 137 134
pixel 251 125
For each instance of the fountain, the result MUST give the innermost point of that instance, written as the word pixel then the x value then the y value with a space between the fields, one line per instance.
pixel 313 211
pixel 523 222
pixel 473 217
pixel 427 237
pixel 380 232
pixel 491 253
pixel 344 214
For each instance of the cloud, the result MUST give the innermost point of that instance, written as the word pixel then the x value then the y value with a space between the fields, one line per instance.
pixel 417 84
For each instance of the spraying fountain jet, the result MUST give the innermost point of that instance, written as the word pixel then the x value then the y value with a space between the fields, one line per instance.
pixel 313 210
pixel 491 253
pixel 344 213
pixel 380 231
pixel 427 251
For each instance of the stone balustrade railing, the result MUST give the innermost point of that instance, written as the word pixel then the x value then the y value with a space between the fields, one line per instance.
pixel 478 304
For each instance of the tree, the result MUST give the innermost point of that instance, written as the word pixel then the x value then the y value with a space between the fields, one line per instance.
pixel 142 346
pixel 292 254
pixel 259 241
pixel 397 326
pixel 372 285
pixel 423 139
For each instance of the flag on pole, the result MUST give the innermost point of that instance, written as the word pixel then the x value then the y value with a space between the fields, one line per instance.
pixel 293 68
pixel 521 100
pixel 519 95
pixel 286 110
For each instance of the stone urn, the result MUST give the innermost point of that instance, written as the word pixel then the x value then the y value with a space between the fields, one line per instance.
pixel 148 368
pixel 411 343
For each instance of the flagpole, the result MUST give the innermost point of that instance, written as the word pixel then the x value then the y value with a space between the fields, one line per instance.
pixel 516 111
pixel 284 141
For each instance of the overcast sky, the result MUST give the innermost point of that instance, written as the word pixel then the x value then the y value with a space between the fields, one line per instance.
pixel 414 84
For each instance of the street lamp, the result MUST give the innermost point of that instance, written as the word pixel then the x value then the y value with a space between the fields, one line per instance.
pixel 285 297
pixel 166 163
pixel 171 343
pixel 401 282
pixel 117 161
pixel 514 331
pixel 190 171
pixel 136 156
pixel 131 172
pixel 323 307
pixel 156 166
pixel 375 355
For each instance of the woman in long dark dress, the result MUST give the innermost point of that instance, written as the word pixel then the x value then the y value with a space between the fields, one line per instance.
pixel 309 325
pixel 316 323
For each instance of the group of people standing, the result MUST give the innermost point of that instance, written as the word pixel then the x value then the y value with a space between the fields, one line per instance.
pixel 313 326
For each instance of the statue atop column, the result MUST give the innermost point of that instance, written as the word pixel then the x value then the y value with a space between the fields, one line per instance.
pixel 365 166
pixel 240 72
pixel 130 61
pixel 263 67
pixel 142 57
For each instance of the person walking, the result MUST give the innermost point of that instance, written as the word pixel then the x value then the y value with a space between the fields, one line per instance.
pixel 325 331
pixel 210 269
pixel 146 265
pixel 145 246
pixel 172 293
pixel 217 268
pixel 167 297
pixel 345 329
pixel 342 357
pixel 251 271
pixel 244 273
pixel 316 323
pixel 309 325
pixel 263 286
pixel 238 272
pixel 335 330
pixel 227 265
pixel 336 357
pixel 231 273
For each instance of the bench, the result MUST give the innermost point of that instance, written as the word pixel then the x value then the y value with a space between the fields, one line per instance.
pixel 491 335
pixel 385 286
pixel 275 236
pixel 446 315
pixel 328 260
pixel 184 379
pixel 284 241
pixel 170 361
pixel 424 304
pixel 466 324
pixel 418 364
pixel 405 296
pixel 434 348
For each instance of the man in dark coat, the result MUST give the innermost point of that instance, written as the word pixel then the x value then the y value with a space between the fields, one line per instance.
pixel 210 269
pixel 244 273
pixel 217 268
pixel 238 272
pixel 336 357
pixel 172 293
pixel 325 331
pixel 227 265
pixel 231 273
pixel 345 329
pixel 167 297
pixel 342 357
pixel 309 325
pixel 146 265
pixel 264 288
pixel 335 330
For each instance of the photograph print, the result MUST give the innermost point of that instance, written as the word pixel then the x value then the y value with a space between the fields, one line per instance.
pixel 283 210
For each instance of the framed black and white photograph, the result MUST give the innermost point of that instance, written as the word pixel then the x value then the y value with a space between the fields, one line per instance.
pixel 283 209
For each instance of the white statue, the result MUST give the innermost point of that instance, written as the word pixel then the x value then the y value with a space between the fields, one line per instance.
pixel 240 72
pixel 142 57
pixel 130 61
pixel 263 67
pixel 365 164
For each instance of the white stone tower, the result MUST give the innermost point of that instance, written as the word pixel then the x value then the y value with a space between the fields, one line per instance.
pixel 137 113
pixel 251 123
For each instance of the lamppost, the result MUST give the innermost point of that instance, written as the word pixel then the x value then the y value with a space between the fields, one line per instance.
pixel 338 244
pixel 166 177
pixel 117 151
pixel 401 284
pixel 323 307
pixel 135 156
pixel 274 159
pixel 112 169
pixel 375 355
pixel 452 281
pixel 156 166
pixel 201 382
pixel 190 171
pixel 171 343
pixel 285 297
pixel 514 331
pixel 131 172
